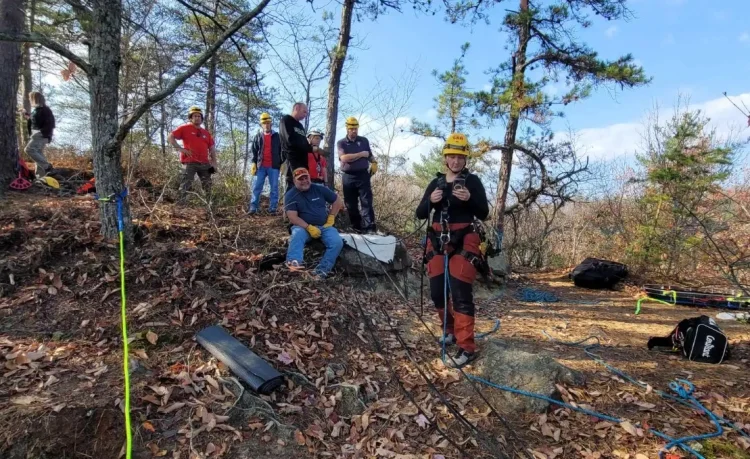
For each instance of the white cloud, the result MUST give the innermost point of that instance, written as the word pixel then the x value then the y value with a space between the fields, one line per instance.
pixel 487 87
pixel 611 31
pixel 624 139
pixel 431 114
pixel 744 37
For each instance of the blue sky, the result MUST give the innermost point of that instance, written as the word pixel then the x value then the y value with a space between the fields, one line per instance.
pixel 694 47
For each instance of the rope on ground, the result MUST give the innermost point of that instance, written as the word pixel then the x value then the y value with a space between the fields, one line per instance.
pixel 683 390
pixel 531 295
pixel 474 387
pixel 118 200
pixel 492 445
pixel 379 349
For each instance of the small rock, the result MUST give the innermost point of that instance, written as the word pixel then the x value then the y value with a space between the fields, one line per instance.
pixel 333 370
pixel 351 404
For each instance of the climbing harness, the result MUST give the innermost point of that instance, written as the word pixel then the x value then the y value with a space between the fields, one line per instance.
pixel 118 198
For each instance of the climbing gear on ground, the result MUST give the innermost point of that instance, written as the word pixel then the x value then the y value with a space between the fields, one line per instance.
pixel 49 181
pixel 351 122
pixel 313 231
pixel 595 273
pixel 264 117
pixel 330 221
pixel 295 265
pixel 25 176
pixel 456 144
pixel 118 199
pixel 373 167
pixel 253 169
pixel 699 339
pixel 314 133
pixel 194 109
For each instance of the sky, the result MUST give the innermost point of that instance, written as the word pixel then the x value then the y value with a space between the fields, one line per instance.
pixel 694 48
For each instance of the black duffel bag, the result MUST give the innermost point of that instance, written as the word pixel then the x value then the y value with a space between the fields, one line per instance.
pixel 596 273
pixel 699 339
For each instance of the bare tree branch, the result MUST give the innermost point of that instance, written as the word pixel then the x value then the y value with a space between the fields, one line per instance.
pixel 241 21
pixel 49 44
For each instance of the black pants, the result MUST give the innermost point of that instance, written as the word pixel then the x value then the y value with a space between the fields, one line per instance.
pixel 358 192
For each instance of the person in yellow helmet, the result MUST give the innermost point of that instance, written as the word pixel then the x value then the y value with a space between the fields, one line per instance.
pixel 197 152
pixel 266 150
pixel 357 166
pixel 455 199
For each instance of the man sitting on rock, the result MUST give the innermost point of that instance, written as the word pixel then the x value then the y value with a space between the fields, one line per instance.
pixel 307 210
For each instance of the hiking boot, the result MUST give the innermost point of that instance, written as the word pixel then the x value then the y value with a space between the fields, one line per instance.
pixel 462 358
pixel 449 339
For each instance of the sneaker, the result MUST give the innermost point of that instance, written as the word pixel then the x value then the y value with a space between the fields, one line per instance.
pixel 462 358
pixel 449 339
pixel 295 265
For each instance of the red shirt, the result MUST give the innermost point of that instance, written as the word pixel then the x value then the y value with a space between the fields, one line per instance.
pixel 196 140
pixel 316 164
pixel 267 160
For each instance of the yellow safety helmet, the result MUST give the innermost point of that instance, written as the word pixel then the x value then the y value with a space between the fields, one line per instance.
pixel 194 109
pixel 351 122
pixel 456 144
pixel 264 117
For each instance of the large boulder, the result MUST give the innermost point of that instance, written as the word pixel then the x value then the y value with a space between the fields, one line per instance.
pixel 501 364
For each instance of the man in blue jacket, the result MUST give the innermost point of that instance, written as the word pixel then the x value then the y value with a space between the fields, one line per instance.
pixel 266 150
pixel 307 210
pixel 357 166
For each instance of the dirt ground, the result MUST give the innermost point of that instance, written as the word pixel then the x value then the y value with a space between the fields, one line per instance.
pixel 61 391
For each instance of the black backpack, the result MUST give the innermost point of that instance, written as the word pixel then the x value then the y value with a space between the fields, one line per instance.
pixel 698 338
pixel 597 274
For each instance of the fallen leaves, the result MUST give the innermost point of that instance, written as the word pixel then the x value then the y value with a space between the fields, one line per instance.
pixel 152 337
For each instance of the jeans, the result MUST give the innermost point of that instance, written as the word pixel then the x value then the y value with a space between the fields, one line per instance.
pixel 331 239
pixel 35 150
pixel 358 191
pixel 273 183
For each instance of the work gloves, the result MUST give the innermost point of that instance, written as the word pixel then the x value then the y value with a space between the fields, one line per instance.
pixel 373 167
pixel 313 231
pixel 331 220
pixel 254 169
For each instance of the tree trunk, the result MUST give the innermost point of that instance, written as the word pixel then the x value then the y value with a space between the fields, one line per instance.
pixel 210 121
pixel 11 20
pixel 518 92
pixel 334 83
pixel 162 119
pixel 26 82
pixel 247 131
pixel 105 60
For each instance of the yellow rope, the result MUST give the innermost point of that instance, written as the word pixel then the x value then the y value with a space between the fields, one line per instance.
pixel 125 366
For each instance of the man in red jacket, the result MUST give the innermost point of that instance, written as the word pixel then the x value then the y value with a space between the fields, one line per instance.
pixel 197 152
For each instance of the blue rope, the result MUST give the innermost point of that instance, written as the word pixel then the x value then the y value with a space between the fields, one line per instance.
pixel 683 390
pixel 531 295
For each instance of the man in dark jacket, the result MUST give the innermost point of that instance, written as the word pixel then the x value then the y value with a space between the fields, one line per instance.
pixel 294 144
pixel 40 124
pixel 357 166
pixel 266 150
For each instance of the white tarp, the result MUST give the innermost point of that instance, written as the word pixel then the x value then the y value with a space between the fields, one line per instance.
pixel 383 248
